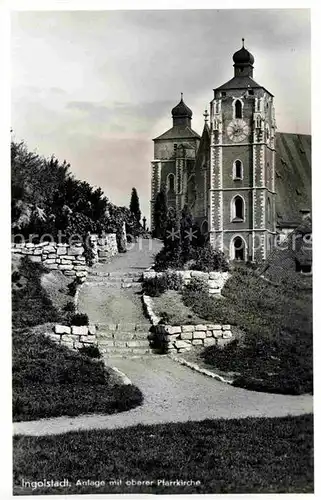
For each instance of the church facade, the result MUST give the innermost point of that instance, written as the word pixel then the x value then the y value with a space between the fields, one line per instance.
pixel 229 177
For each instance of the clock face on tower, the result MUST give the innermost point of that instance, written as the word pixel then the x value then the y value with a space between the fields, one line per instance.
pixel 237 130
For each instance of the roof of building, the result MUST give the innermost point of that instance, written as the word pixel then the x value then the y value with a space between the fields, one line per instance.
pixel 240 82
pixel 181 110
pixel 178 132
pixel 292 177
pixel 243 56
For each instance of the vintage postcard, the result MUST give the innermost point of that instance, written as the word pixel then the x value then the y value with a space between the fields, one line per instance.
pixel 161 243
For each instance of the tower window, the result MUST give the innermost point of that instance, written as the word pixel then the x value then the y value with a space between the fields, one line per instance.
pixel 238 109
pixel 237 170
pixel 251 92
pixel 170 182
pixel 223 94
pixel 237 209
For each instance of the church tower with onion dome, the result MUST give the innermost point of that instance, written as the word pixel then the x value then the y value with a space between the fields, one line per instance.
pixel 174 159
pixel 242 220
pixel 226 176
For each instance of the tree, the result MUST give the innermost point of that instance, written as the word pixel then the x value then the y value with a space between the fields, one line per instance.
pixel 134 204
pixel 160 214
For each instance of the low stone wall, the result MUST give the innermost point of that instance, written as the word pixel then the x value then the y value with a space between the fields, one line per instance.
pixel 74 337
pixel 68 259
pixel 182 338
pixel 215 279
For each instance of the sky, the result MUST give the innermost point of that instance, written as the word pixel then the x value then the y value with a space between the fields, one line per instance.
pixel 95 87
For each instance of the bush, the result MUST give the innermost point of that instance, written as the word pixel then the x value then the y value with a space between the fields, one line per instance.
pixel 79 319
pixel 72 287
pixel 196 285
pixel 91 351
pixel 168 258
pixel 208 259
pixel 69 307
pixel 199 258
pixel 154 287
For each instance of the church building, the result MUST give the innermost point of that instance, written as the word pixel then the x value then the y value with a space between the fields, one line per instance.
pixel 243 182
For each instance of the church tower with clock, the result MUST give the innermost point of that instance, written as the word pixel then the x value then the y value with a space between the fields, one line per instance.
pixel 242 220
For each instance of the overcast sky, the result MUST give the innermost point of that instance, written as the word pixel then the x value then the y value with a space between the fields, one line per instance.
pixel 95 88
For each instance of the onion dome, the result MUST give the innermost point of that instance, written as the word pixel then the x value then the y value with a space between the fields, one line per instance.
pixel 181 110
pixel 243 56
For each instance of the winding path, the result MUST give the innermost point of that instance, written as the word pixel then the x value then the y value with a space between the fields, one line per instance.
pixel 172 392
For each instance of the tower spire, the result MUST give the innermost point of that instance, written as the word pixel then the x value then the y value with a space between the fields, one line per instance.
pixel 181 96
pixel 243 43
pixel 205 116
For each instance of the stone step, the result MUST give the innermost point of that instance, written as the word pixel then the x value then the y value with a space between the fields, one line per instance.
pixel 124 351
pixel 131 355
pixel 116 274
pixel 121 336
pixel 114 284
pixel 123 327
pixel 124 343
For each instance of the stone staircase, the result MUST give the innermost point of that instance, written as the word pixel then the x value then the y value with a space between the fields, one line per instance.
pixel 116 279
pixel 124 340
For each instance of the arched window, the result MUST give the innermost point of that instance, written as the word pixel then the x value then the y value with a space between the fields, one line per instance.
pixel 237 209
pixel 170 182
pixel 239 248
pixel 237 170
pixel 238 109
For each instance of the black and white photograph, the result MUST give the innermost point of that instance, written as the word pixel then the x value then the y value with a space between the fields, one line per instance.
pixel 161 251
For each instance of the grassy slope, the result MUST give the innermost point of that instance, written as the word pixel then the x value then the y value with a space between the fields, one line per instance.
pixel 276 352
pixel 171 306
pixel 49 380
pixel 226 456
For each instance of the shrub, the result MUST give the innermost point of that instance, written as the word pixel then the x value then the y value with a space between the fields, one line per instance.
pixel 154 287
pixel 208 259
pixel 174 281
pixel 168 258
pixel 196 285
pixel 79 319
pixel 91 351
pixel 69 307
pixel 72 287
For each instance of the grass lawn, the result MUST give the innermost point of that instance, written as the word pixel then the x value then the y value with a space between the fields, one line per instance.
pixel 49 380
pixel 170 306
pixel 275 352
pixel 253 455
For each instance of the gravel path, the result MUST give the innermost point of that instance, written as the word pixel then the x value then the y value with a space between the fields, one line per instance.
pixel 174 393
pixel 140 255
pixel 118 305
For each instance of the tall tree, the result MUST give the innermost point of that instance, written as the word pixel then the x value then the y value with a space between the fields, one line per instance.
pixel 160 214
pixel 134 204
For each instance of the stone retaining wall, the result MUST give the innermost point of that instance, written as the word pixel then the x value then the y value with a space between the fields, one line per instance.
pixel 214 279
pixel 182 338
pixel 68 259
pixel 74 337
